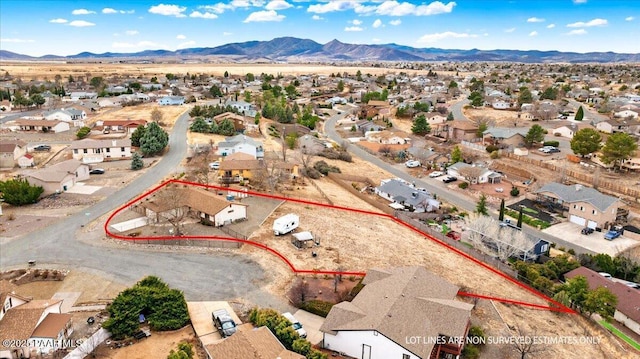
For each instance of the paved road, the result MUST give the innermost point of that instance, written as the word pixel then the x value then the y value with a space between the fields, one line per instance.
pixel 589 114
pixel 434 185
pixel 199 276
pixel 456 109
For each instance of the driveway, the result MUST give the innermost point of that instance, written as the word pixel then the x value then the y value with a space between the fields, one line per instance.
pixel 594 242
pixel 311 324
pixel 202 322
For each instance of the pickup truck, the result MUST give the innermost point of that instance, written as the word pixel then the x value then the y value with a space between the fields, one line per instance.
pixel 223 322
pixel 612 234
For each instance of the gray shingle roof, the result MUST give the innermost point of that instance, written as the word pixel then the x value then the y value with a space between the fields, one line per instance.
pixel 403 302
pixel 404 193
pixel 579 193
pixel 232 141
pixel 505 132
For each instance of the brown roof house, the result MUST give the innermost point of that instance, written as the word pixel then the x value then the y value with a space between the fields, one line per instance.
pixel 460 130
pixel 38 320
pixel 178 202
pixel 10 151
pixel 258 343
pixel 120 126
pixel 628 308
pixel 59 177
pixel 405 312
pixel 240 166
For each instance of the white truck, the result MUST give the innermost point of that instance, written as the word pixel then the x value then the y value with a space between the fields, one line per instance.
pixel 286 224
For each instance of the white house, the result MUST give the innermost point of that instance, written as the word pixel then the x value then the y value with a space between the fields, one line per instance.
pixel 386 137
pixel 59 177
pixel 53 126
pixel 500 105
pixel 94 151
pixel 240 143
pixel 473 174
pixel 244 108
pixel 26 161
pixel 569 130
pixel 71 115
pixel 626 113
pixel 171 101
pixel 82 95
pixel 393 304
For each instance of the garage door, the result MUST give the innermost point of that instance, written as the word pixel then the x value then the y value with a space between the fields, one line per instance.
pixel 577 220
pixel 592 224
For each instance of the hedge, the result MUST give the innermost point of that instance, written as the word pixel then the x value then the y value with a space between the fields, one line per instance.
pixel 318 307
pixel 551 143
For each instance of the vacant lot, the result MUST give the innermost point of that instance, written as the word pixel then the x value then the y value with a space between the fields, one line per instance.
pixel 158 345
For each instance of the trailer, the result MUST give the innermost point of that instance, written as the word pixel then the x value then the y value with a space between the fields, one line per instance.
pixel 286 224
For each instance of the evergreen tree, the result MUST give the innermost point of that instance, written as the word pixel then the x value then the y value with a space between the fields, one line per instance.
pixel 450 116
pixel 519 224
pixel 136 161
pixel 19 192
pixel 154 140
pixel 137 135
pixel 501 216
pixel 586 141
pixel 579 114
pixel 535 134
pixel 619 146
pixel 456 155
pixel 481 206
pixel 420 126
pixel 199 125
pixel 226 128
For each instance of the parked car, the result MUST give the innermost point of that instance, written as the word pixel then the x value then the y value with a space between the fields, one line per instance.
pixel 223 322
pixel 549 149
pixel 605 274
pixel 214 165
pixel 435 174
pixel 295 324
pixel 97 171
pixel 412 163
pixel 586 230
pixel 454 235
pixel 42 148
pixel 612 234
pixel 449 179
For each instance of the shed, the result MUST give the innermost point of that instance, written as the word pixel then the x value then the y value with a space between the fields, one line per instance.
pixel 302 240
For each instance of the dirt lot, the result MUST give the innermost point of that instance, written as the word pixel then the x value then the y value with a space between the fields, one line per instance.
pixel 496 117
pixel 158 345
pixel 143 112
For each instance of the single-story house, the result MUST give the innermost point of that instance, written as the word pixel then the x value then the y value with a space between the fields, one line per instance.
pixel 240 143
pixel 41 321
pixel 244 108
pixel 126 126
pixel 619 125
pixel 205 205
pixel 393 305
pixel 526 115
pixel 366 126
pixel 626 114
pixel 59 177
pixel 74 116
pixel 54 126
pixel 249 344
pixel 83 95
pixel 504 136
pixel 171 101
pixel 26 161
pixel 387 137
pixel 569 130
pixel 94 151
pixel 500 105
pixel 11 151
pixel 583 205
pixel 406 196
pixel 628 308
pixel 473 174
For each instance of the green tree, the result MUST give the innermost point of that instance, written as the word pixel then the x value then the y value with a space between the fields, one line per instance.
pixel 420 126
pixel 250 77
pixel 359 76
pixel 586 141
pixel 96 82
pixel 170 76
pixel 563 298
pixel 450 116
pixel 482 126
pixel 476 99
pixel 199 125
pixel 19 192
pixel 136 161
pixel 577 289
pixel 456 155
pixel 291 140
pixel 83 132
pixel 137 135
pixel 525 96
pixel 215 91
pixel 501 215
pixel 154 140
pixel 226 74
pixel 580 114
pixel 534 135
pixel 37 99
pixel 600 301
pixel 453 84
pixel 226 128
pixel 619 146
pixel 291 91
pixel 481 206
pixel 247 96
pixel 519 224
pixel 549 93
pixel 185 351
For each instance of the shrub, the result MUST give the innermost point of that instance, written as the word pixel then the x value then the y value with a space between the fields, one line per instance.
pixel 492 148
pixel 551 143
pixel 318 307
pixel 463 185
pixel 83 132
pixel 515 192
pixel 495 155
pixel 324 168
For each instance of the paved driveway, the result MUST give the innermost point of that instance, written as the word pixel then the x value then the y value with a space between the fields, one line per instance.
pixel 311 324
pixel 594 242
pixel 200 314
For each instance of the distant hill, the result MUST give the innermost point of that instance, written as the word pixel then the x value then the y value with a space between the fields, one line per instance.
pixel 292 49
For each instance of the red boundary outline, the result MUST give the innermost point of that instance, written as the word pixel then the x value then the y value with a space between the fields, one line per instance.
pixel 553 305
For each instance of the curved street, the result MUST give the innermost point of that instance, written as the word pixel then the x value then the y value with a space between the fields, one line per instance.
pixel 200 276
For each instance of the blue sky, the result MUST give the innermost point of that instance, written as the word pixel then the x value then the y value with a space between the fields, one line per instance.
pixel 68 27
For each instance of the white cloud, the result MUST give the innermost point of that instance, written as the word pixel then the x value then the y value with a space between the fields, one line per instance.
pixel 629 18
pixel 317 17
pixel 533 33
pixel 264 16
pixel 58 21
pixel 394 8
pixel 332 6
pixel 109 10
pixel 187 44
pixel 594 22
pixel 203 15
pixel 131 32
pixel 431 38
pixel 535 19
pixel 376 24
pixel 82 12
pixel 579 1
pixel 17 41
pixel 226 33
pixel 353 28
pixel 551 26
pixel 376 40
pixel 356 22
pixel 140 44
pixel 510 30
pixel 81 23
pixel 168 10
pixel 278 5
pixel 181 37
pixel 577 32
pixel 221 7
pixel 395 22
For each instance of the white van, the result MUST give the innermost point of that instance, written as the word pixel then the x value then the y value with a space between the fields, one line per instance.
pixel 286 224
pixel 295 324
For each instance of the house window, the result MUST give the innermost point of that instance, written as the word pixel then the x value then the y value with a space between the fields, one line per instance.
pixel 108 149
pixel 121 149
pixel 582 208
pixel 575 206
pixel 84 150
pixel 406 356
pixel 75 151
pixel 593 211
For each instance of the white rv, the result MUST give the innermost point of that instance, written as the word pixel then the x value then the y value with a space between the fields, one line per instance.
pixel 286 224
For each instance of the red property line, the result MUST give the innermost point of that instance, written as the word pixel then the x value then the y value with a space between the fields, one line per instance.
pixel 557 306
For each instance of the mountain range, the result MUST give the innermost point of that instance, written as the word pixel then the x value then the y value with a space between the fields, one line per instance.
pixel 291 49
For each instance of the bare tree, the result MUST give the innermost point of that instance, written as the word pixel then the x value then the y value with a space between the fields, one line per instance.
pixel 271 173
pixel 486 234
pixel 545 111
pixel 172 202
pixel 524 343
pixel 299 292
pixel 472 173
pixel 156 116
pixel 306 156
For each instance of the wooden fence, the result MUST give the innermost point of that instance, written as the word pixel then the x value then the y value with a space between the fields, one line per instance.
pixel 342 179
